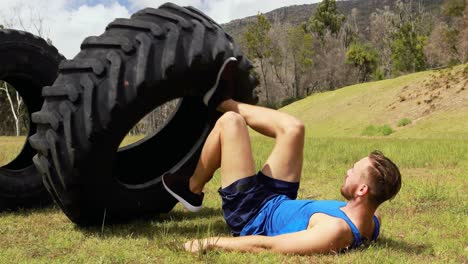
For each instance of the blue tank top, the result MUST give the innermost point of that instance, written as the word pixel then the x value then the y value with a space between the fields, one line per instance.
pixel 281 215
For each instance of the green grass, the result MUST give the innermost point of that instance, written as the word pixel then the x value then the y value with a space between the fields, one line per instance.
pixel 426 221
pixel 9 148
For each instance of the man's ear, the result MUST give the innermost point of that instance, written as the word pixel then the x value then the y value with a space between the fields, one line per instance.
pixel 363 190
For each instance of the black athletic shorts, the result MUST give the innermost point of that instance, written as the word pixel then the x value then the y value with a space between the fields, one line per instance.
pixel 243 199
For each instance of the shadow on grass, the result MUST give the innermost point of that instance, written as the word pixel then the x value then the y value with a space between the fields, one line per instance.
pixel 176 223
pixel 41 209
pixel 185 215
pixel 401 246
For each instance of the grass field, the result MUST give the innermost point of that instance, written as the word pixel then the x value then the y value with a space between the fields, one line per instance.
pixel 426 223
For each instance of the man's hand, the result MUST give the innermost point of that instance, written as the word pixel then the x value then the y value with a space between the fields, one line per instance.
pixel 192 246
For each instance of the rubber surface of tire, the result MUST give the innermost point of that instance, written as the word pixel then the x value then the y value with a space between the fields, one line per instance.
pixel 136 65
pixel 27 63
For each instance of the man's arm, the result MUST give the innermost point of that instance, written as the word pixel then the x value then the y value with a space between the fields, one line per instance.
pixel 323 238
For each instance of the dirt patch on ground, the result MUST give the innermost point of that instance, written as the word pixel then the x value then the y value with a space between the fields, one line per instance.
pixel 443 89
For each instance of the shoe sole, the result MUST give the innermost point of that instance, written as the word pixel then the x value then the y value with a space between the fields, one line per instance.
pixel 209 94
pixel 191 208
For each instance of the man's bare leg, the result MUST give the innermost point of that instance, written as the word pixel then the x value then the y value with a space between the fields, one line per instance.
pixel 285 161
pixel 227 146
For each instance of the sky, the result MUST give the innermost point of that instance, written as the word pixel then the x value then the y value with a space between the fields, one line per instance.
pixel 68 22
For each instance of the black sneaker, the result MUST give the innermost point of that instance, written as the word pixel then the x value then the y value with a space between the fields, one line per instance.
pixel 178 187
pixel 223 88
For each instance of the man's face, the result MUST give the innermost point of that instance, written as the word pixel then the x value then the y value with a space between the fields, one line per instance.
pixel 353 178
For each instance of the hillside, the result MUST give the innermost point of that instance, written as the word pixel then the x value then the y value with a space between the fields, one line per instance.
pixel 435 101
pixel 298 14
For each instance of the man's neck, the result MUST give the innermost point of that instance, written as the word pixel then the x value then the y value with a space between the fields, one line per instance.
pixel 359 211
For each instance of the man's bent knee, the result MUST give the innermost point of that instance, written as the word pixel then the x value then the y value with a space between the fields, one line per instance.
pixel 295 128
pixel 232 120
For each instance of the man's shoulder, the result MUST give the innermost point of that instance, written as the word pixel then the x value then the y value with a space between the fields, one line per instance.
pixel 338 223
pixel 332 229
pixel 324 220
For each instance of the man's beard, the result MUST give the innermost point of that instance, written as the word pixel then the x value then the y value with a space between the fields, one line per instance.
pixel 346 193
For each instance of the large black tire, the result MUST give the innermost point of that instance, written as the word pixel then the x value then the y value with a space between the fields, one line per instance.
pixel 136 65
pixel 27 63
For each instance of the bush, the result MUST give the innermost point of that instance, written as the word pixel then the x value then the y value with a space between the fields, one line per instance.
pixel 386 130
pixel 403 122
pixel 369 131
pixel 372 130
pixel 378 75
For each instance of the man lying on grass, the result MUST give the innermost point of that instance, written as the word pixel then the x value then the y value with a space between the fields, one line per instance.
pixel 261 208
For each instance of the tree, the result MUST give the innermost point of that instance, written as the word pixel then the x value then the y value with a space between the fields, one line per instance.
pixel 463 37
pixel 408 49
pixel 381 32
pixel 301 47
pixel 25 18
pixel 155 120
pixel 437 47
pixel 15 105
pixel 259 45
pixel 400 35
pixel 330 70
pixel 326 17
pixel 350 29
pixel 411 28
pixel 364 57
pixel 28 18
pixel 281 57
pixel 452 34
pixel 453 8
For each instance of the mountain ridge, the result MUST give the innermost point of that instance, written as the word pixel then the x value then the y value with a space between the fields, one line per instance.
pixel 297 14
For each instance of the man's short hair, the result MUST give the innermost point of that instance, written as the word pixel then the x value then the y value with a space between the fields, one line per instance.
pixel 384 176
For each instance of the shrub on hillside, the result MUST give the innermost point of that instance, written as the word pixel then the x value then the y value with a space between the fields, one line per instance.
pixel 403 122
pixel 372 130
